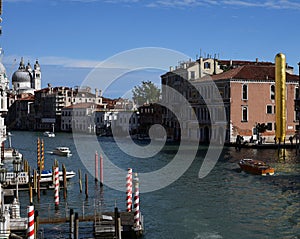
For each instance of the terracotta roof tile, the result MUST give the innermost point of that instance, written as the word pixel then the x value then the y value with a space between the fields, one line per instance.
pixel 252 72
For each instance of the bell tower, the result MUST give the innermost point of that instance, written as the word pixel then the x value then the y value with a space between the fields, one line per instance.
pixel 37 76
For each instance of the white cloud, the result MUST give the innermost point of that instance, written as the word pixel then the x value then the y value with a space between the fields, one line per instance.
pixel 274 4
pixel 271 4
pixel 12 61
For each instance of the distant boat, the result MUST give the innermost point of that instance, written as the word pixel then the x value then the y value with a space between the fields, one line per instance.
pixel 49 134
pixel 62 151
pixel 256 167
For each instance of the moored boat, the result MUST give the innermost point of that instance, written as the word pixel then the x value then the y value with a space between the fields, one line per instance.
pixel 256 167
pixel 47 176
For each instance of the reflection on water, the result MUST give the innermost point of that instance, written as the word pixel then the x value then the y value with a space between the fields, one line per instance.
pixel 227 203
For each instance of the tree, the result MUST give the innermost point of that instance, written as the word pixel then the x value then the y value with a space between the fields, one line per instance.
pixel 261 128
pixel 146 93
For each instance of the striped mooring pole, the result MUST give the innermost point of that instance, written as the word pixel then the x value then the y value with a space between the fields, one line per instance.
pixel 30 230
pixel 129 190
pixel 56 188
pixel 96 167
pixel 137 220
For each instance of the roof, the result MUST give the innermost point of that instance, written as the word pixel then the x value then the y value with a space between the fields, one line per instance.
pixel 242 62
pixel 252 72
pixel 83 105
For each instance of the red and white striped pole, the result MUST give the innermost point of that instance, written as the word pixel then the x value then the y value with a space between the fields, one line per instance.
pixel 30 229
pixel 129 190
pixel 101 170
pixel 96 167
pixel 137 220
pixel 56 188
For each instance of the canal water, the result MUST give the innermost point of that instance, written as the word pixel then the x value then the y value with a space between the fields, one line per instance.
pixel 227 203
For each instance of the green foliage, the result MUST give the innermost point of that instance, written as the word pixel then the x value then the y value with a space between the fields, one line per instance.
pixel 146 93
pixel 261 128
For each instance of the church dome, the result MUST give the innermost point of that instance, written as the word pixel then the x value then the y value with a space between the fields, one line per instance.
pixel 21 76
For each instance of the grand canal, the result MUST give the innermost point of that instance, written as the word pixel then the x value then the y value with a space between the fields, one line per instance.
pixel 225 204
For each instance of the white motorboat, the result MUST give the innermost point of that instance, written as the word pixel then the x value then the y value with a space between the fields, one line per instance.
pixel 49 134
pixel 47 176
pixel 62 151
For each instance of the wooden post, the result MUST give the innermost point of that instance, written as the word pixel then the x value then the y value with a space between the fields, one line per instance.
pixel 30 193
pixel 36 223
pixel 117 236
pixel 96 167
pixel 86 186
pixel 42 165
pixel 71 224
pixel 80 180
pixel 38 154
pixel 65 180
pixel 76 234
pixel 53 174
pixel 35 180
pixel 39 187
pixel 119 226
pixel 101 171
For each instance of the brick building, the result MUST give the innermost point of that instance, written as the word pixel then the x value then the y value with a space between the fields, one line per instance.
pixel 247 90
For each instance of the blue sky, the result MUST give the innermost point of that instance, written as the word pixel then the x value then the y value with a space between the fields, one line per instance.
pixel 69 37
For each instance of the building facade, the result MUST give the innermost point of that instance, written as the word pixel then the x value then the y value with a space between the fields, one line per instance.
pixel 247 90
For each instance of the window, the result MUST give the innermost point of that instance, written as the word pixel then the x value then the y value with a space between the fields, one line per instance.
pixel 269 109
pixel 244 114
pixel 245 92
pixel 192 75
pixel 206 65
pixel 272 92
pixel 296 93
pixel 269 126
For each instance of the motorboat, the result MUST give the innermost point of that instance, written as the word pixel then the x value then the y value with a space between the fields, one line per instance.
pixel 49 134
pixel 62 151
pixel 256 167
pixel 47 176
